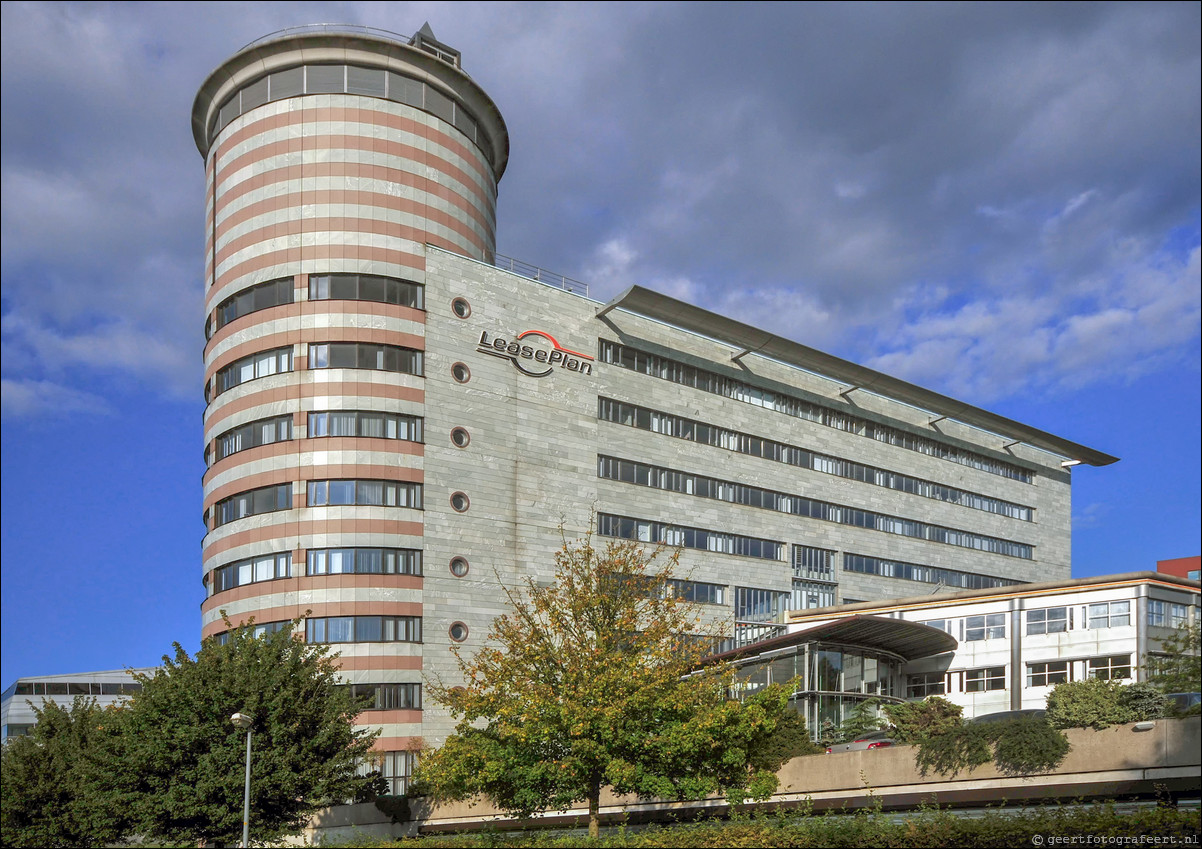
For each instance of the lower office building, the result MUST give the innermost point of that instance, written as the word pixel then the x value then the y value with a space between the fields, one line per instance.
pixel 399 421
pixel 988 651
pixel 17 715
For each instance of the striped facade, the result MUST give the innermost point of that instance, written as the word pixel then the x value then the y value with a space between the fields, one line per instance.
pixel 340 155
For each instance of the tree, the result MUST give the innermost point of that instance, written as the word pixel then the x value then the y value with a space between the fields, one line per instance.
pixel 1177 668
pixel 178 767
pixel 49 790
pixel 915 721
pixel 596 681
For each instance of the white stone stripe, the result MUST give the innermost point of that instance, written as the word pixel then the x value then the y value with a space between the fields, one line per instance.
pixel 325 238
pixel 312 377
pixel 311 465
pixel 476 165
pixel 308 323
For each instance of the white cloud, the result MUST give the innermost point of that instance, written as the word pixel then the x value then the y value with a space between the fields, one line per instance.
pixel 36 398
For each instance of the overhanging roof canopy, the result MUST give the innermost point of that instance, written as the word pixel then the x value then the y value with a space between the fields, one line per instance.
pixel 747 339
pixel 909 640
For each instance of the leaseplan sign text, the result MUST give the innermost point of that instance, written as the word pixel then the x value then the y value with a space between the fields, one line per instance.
pixel 535 352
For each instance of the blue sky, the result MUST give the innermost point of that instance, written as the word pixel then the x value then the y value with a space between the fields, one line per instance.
pixel 999 202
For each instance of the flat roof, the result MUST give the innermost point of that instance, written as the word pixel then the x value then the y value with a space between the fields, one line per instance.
pixel 752 340
pixel 864 608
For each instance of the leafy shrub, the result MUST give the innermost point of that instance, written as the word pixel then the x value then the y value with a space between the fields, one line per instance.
pixel 915 721
pixel 1028 745
pixel 1143 701
pixel 958 748
pixel 790 740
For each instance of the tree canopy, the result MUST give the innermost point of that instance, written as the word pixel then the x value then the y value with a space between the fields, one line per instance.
pixel 1177 667
pixel 50 778
pixel 168 765
pixel 597 681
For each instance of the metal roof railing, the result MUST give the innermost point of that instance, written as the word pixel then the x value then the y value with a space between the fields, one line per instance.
pixel 533 272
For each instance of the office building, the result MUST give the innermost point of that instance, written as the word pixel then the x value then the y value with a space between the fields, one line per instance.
pixel 107 688
pixel 399 420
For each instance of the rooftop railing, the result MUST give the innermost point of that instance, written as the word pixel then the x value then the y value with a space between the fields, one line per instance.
pixel 533 272
pixel 331 29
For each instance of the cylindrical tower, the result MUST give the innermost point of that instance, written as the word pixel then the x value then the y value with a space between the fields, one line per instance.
pixel 333 155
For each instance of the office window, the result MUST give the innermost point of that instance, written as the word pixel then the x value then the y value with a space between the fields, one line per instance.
pixel 918 572
pixel 267 499
pixel 945 625
pixel 989 627
pixel 1178 615
pixel 1047 674
pixel 258 297
pixel 388 696
pixel 756 605
pixel 813 563
pixel 396 768
pixel 984 680
pixel 266 567
pixel 807 595
pixel 366 287
pixel 365 493
pixel 275 361
pixel 1157 613
pixel 674 535
pixel 365 355
pixel 1051 620
pixel 364 629
pixel 1110 614
pixel 261 629
pixel 363 561
pixel 926 684
pixel 697 592
pixel 365 423
pixel 254 434
pixel 1114 668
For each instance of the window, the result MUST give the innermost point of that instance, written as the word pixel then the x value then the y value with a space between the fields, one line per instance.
pixel 1047 674
pixel 396 768
pixel 461 308
pixel 254 434
pixel 1178 615
pixel 261 629
pixel 460 502
pixel 366 287
pixel 458 632
pixel 655 421
pixel 363 561
pixel 925 684
pixel 730 387
pixel 460 438
pixel 917 572
pixel 257 297
pixel 697 592
pixel 989 627
pixel 276 361
pixel 1110 614
pixel 267 499
pixel 755 605
pixel 461 373
pixel 365 493
pixel 266 567
pixel 1157 613
pixel 1113 668
pixel 1052 620
pixel 389 696
pixel 658 477
pixel 810 594
pixel 813 563
pixel 365 355
pixel 983 680
pixel 697 538
pixel 364 629
pixel 459 567
pixel 365 423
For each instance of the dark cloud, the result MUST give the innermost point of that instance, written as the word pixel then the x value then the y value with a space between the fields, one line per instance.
pixel 910 185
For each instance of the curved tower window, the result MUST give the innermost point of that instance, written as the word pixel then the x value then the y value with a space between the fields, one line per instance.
pixel 366 287
pixel 365 355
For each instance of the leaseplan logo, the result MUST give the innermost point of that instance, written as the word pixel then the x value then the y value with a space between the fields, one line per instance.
pixel 535 353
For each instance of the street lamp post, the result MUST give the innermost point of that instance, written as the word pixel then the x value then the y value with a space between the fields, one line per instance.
pixel 243 722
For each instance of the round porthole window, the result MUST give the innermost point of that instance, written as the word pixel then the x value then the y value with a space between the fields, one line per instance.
pixel 459 566
pixel 458 632
pixel 460 437
pixel 461 373
pixel 461 307
pixel 460 502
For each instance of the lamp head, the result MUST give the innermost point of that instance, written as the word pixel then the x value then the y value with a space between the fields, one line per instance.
pixel 242 721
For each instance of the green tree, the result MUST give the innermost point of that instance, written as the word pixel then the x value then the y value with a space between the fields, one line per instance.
pixel 1177 668
pixel 179 764
pixel 915 721
pixel 863 719
pixel 597 681
pixel 1092 703
pixel 50 785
